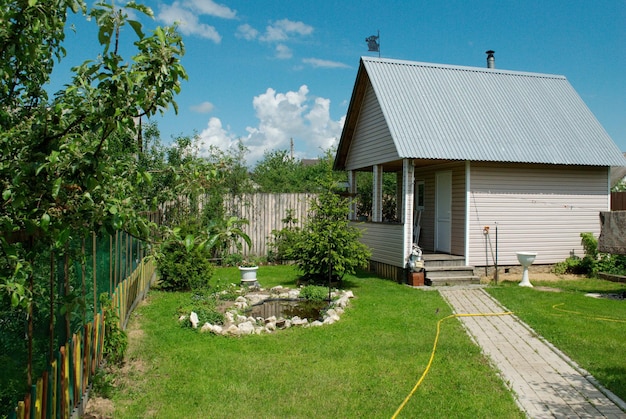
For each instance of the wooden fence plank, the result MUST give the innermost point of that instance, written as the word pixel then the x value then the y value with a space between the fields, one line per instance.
pixel 618 201
pixel 265 213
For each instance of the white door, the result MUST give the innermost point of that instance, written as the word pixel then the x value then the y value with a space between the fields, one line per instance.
pixel 443 211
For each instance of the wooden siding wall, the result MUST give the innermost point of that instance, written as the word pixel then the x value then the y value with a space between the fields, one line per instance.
pixel 372 141
pixel 385 241
pixel 537 208
pixel 265 212
pixel 427 233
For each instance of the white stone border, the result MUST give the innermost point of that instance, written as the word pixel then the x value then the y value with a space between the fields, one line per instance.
pixel 239 325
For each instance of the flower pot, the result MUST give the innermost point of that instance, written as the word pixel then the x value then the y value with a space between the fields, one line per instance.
pixel 248 275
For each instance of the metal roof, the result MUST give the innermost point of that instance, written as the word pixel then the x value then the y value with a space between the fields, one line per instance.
pixel 436 111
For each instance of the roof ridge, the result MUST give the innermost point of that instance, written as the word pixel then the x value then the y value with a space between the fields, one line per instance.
pixel 462 68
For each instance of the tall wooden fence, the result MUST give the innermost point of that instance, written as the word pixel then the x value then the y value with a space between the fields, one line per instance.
pixel 59 392
pixel 265 213
pixel 618 201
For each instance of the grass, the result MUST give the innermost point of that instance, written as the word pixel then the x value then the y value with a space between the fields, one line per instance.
pixel 590 331
pixel 362 366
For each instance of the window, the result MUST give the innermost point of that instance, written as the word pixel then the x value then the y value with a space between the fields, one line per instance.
pixel 419 195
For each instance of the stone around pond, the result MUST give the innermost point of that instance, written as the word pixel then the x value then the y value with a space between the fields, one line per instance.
pixel 237 324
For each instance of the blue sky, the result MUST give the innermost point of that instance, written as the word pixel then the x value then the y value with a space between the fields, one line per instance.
pixel 268 71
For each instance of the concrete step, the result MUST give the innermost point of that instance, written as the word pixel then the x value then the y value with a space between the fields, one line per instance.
pixel 444 269
pixel 435 260
pixel 454 280
pixel 448 271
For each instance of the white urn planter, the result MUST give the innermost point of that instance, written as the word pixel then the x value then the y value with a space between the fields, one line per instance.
pixel 526 259
pixel 248 274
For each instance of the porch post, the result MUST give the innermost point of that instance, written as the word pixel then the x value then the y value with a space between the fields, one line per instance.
pixel 408 216
pixel 377 193
pixel 352 191
pixel 400 196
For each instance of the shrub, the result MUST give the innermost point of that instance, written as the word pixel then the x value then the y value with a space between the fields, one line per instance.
pixel 283 241
pixel 593 262
pixel 571 265
pixel 314 293
pixel 328 245
pixel 183 269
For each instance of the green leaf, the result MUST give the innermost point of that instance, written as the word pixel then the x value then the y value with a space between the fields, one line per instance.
pixel 32 3
pixel 62 238
pixel 189 239
pixel 160 34
pixel 45 221
pixel 6 194
pixel 56 187
pixel 137 27
pixel 40 168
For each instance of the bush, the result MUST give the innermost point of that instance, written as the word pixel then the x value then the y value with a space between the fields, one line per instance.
pixel 593 262
pixel 314 293
pixel 328 245
pixel 284 240
pixel 181 269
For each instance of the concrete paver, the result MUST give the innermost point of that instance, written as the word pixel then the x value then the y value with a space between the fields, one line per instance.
pixel 546 383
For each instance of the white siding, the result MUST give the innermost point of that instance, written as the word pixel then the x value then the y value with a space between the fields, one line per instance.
pixel 540 208
pixel 386 242
pixel 372 141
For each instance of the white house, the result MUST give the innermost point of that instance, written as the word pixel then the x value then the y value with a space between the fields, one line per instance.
pixel 475 148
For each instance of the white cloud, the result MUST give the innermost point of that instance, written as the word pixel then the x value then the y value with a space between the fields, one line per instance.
pixel 214 135
pixel 284 29
pixel 281 117
pixel 209 7
pixel 316 62
pixel 187 15
pixel 204 107
pixel 283 52
pixel 246 32
pixel 188 22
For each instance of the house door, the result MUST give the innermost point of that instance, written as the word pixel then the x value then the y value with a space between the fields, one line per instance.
pixel 443 211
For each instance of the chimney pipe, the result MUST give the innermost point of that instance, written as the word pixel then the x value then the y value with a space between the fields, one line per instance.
pixel 491 62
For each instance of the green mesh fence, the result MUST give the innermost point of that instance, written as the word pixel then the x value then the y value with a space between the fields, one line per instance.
pixel 96 265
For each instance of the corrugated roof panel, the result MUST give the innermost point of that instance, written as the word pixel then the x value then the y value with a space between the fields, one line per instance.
pixel 466 113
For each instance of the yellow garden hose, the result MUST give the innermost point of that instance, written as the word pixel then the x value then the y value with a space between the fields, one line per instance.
pixel 606 319
pixel 432 354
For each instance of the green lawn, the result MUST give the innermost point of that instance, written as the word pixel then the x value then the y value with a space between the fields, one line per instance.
pixel 363 366
pixel 590 331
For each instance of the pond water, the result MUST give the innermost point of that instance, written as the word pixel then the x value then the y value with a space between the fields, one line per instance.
pixel 312 310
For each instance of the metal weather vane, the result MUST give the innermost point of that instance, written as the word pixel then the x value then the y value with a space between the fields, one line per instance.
pixel 373 43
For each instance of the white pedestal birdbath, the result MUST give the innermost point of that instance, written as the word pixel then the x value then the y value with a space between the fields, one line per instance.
pixel 526 259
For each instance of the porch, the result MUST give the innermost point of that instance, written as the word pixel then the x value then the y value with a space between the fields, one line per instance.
pixel 441 270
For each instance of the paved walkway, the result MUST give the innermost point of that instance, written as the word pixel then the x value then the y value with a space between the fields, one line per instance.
pixel 546 383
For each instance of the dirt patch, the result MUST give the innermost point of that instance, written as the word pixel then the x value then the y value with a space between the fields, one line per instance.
pixel 99 408
pixel 533 276
pixel 123 375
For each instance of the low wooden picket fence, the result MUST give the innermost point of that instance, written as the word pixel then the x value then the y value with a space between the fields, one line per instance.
pixel 61 390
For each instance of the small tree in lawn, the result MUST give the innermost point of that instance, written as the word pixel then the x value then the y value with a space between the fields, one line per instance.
pixel 329 247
